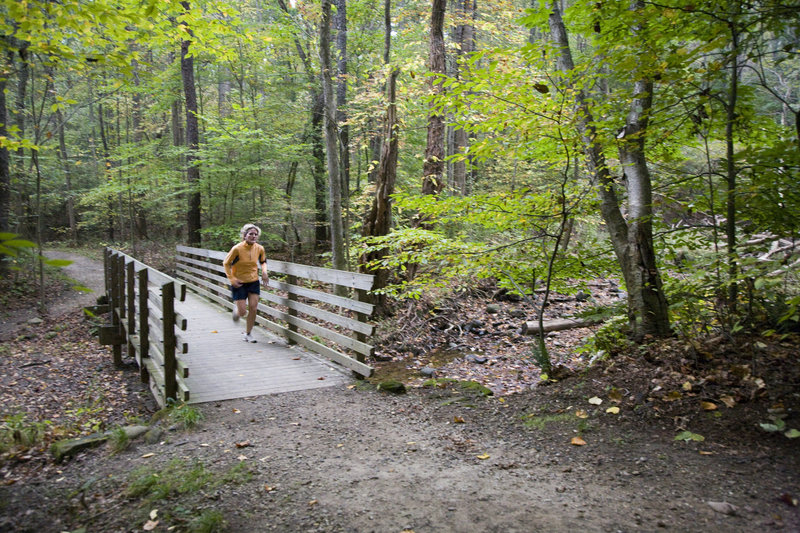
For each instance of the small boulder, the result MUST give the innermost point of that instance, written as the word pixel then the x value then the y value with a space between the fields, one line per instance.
pixel 393 386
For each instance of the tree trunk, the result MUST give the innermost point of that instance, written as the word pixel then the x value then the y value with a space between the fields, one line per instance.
pixel 331 141
pixel 730 167
pixel 62 154
pixel 5 167
pixel 192 141
pixel 317 149
pixel 340 22
pixel 433 167
pixel 379 219
pixel 633 246
pixel 465 37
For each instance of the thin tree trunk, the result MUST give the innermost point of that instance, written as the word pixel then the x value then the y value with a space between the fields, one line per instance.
pixel 331 141
pixel 433 167
pixel 379 219
pixel 192 141
pixel 317 149
pixel 5 167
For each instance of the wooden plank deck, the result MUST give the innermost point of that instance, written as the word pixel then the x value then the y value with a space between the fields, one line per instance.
pixel 222 366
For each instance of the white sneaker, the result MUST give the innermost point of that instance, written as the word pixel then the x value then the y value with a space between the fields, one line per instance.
pixel 249 338
pixel 235 315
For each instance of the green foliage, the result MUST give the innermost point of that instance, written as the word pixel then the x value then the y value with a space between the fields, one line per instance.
pixel 17 430
pixel 539 422
pixel 209 521
pixel 118 439
pixel 186 415
pixel 609 339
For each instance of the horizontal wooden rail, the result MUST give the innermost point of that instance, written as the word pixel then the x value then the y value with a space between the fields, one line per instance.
pixel 302 300
pixel 142 303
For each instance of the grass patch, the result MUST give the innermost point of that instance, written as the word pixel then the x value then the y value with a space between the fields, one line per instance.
pixel 540 421
pixel 180 490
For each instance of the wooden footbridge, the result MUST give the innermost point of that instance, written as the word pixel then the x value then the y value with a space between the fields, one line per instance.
pixel 179 330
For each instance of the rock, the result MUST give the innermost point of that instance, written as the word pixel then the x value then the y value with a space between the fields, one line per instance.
pixel 134 432
pixel 154 435
pixel 428 371
pixel 517 313
pixel 392 386
pixel 723 508
pixel 582 296
pixel 493 309
pixel 64 449
pixel 35 321
pixel 475 358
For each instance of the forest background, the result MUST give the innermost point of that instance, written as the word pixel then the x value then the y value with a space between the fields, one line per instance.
pixel 539 146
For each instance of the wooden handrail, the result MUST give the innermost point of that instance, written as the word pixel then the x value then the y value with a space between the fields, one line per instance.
pixel 144 318
pixel 311 316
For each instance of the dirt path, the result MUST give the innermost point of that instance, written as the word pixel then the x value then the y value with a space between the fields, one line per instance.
pixel 86 272
pixel 441 459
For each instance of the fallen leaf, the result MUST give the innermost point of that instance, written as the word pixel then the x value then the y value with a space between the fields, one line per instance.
pixel 153 514
pixel 708 406
pixel 594 400
pixel 147 455
pixel 312 502
pixel 672 396
pixel 242 458
pixel 150 525
pixel 728 400
pixel 236 411
pixel 458 420
pixel 243 444
pixel 269 489
pixel 483 457
pixel 581 414
pixel 615 395
pixel 613 410
pixel 702 452
pixel 577 441
pixel 214 331
pixel 688 435
pixel 792 433
pixel 687 386
pixel 322 378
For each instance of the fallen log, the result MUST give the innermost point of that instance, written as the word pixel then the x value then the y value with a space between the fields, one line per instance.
pixel 531 327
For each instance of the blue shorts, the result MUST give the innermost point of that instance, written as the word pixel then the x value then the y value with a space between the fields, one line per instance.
pixel 241 292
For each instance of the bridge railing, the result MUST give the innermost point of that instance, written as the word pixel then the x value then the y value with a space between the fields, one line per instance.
pixel 144 319
pixel 300 304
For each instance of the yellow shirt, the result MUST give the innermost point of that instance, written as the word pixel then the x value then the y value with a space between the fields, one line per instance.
pixel 242 262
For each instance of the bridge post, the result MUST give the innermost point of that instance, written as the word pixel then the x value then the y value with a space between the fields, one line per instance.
pixel 144 325
pixel 292 312
pixel 130 280
pixel 168 308
pixel 116 348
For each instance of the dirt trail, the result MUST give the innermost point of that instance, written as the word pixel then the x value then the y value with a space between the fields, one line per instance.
pixel 86 272
pixel 353 459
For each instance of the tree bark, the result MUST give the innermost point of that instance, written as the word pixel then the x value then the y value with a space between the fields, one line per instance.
pixel 433 166
pixel 331 141
pixel 465 37
pixel 633 246
pixel 5 167
pixel 192 140
pixel 379 219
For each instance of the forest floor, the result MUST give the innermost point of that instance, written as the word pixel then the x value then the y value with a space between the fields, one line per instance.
pixel 667 437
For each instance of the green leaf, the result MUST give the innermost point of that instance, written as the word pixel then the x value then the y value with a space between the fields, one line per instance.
pixel 19 243
pixel 686 436
pixel 792 433
pixel 57 262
